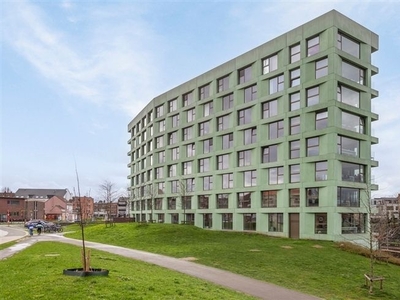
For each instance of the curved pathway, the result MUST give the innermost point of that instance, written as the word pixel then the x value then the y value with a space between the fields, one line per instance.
pixel 253 287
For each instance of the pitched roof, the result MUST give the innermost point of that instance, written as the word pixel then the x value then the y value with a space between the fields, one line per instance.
pixel 40 193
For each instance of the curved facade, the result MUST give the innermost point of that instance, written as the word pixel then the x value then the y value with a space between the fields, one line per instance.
pixel 277 140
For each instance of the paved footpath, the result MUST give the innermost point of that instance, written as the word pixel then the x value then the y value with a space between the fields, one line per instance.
pixel 253 287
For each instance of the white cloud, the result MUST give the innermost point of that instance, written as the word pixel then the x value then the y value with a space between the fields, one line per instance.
pixel 116 71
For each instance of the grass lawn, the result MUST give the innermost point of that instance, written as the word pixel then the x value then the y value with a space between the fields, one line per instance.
pixel 315 267
pixel 37 273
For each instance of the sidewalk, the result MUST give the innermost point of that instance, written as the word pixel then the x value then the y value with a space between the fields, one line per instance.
pixel 253 287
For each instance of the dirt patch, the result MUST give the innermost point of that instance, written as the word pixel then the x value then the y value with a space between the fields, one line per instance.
pixel 254 250
pixel 190 258
pixel 318 246
pixel 287 247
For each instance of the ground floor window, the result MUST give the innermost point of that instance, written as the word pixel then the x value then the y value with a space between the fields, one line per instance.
pixel 249 221
pixel 174 218
pixel 275 222
pixel 189 219
pixel 207 220
pixel 161 218
pixel 321 224
pixel 354 223
pixel 227 221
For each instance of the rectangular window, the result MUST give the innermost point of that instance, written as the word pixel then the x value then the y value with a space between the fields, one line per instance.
pixel 158 173
pixel 187 99
pixel 171 202
pixel 172 105
pixel 294 77
pixel 276 130
pixel 270 154
pixel 270 64
pixel 353 73
pixel 204 165
pixel 227 221
pixel 189 185
pixel 244 158
pixel 352 122
pixel 312 196
pixel 313 96
pixel 161 188
pixel 223 84
pixel 204 92
pixel 227 141
pixel 321 171
pixel 250 136
pixel 270 109
pixel 294 125
pixel 294 173
pixel 348 197
pixel 187 167
pixel 348 45
pixel 227 102
pixel 174 186
pixel 208 145
pixel 172 170
pixel 208 109
pixel 354 223
pixel 275 175
pixel 161 126
pixel 207 183
pixel 269 198
pixel 191 115
pixel 321 120
pixel 175 120
pixel 244 200
pixel 159 142
pixel 294 53
pixel 294 197
pixel 348 96
pixel 227 181
pixel 159 111
pixel 158 203
pixel 249 221
pixel 348 146
pixel 313 46
pixel 175 153
pixel 244 116
pixel 161 157
pixel 321 223
pixel 275 222
pixel 313 146
pixel 223 162
pixel 172 138
pixel 294 149
pixel 294 101
pixel 276 84
pixel 224 122
pixel 190 150
pixel 222 200
pixel 204 128
pixel 249 178
pixel 352 172
pixel 203 201
pixel 250 93
pixel 244 75
pixel 321 68
pixel 187 133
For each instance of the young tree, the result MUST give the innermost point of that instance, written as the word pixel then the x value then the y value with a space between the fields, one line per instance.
pixel 109 195
pixel 151 194
pixel 184 191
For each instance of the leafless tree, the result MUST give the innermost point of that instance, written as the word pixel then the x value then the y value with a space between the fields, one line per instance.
pixel 184 191
pixel 109 195
pixel 6 190
pixel 151 194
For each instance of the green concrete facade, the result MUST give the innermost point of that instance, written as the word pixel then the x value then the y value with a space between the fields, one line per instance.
pixel 284 150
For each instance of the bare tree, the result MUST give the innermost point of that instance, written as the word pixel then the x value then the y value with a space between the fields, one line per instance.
pixel 6 190
pixel 184 191
pixel 109 195
pixel 151 193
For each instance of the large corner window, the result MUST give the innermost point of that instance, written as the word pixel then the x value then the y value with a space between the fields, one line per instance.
pixel 352 172
pixel 353 122
pixel 348 146
pixel 354 223
pixel 353 73
pixel 348 197
pixel 348 96
pixel 348 45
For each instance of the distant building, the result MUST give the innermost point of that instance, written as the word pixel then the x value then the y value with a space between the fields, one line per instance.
pixel 83 206
pixel 105 210
pixel 43 193
pixel 55 209
pixel 386 207
pixel 123 206
pixel 12 208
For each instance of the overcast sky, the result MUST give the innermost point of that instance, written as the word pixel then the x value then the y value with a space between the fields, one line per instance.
pixel 75 73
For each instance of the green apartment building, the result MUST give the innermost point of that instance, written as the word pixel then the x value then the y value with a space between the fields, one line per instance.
pixel 277 140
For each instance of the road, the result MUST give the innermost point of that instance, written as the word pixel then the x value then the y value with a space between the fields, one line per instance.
pixel 11 233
